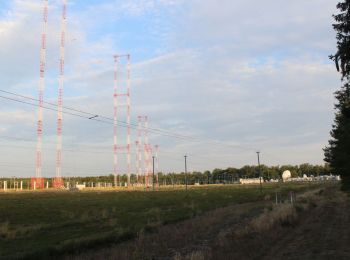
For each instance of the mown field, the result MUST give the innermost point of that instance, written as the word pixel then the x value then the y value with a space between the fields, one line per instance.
pixel 42 224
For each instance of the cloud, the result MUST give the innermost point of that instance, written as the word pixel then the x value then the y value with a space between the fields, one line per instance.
pixel 237 76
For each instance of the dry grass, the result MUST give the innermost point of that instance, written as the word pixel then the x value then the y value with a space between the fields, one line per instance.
pixel 196 255
pixel 282 214
pixel 226 233
pixel 238 242
pixel 188 240
pixel 86 220
pixel 4 229
pixel 9 232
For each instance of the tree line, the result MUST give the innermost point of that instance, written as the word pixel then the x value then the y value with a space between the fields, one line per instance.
pixel 229 175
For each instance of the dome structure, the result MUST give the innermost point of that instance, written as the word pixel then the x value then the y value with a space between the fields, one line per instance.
pixel 286 175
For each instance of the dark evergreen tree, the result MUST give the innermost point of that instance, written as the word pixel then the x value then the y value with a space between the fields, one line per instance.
pixel 337 153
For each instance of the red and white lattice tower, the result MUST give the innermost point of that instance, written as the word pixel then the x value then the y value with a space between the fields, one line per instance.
pixel 147 155
pixel 147 151
pixel 138 147
pixel 38 181
pixel 149 165
pixel 141 171
pixel 116 96
pixel 156 151
pixel 58 181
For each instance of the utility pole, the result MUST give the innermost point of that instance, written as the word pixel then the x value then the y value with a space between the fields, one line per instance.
pixel 186 171
pixel 153 174
pixel 258 153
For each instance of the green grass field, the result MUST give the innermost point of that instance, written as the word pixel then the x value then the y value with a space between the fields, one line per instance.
pixel 40 224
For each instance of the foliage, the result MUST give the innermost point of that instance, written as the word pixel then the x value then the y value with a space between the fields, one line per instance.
pixel 337 152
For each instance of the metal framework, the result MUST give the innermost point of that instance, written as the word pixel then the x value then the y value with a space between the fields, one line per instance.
pixel 156 150
pixel 148 155
pixel 139 143
pixel 148 162
pixel 116 96
pixel 143 141
pixel 58 181
pixel 38 181
pixel 138 169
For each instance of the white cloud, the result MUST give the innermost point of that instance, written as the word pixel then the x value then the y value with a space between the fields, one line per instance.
pixel 250 75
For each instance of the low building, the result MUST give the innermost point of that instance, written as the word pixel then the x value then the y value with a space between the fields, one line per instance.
pixel 251 181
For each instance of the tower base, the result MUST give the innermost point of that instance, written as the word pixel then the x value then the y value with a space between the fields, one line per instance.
pixel 37 183
pixel 57 183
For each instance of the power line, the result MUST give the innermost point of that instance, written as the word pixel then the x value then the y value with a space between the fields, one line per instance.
pixel 94 117
pixel 90 118
pixel 49 108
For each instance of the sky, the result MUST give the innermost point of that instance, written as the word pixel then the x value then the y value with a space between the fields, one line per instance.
pixel 232 76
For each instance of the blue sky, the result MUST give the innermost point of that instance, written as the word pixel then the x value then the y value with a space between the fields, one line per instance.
pixel 239 75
